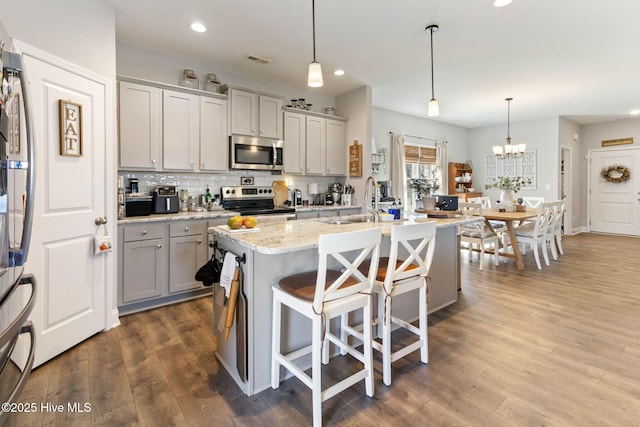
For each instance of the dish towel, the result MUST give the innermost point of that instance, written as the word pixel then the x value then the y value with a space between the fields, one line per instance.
pixel 226 275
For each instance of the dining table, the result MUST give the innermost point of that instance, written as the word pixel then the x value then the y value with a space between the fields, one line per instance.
pixel 510 219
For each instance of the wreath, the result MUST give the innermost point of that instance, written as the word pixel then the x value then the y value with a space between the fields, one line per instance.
pixel 616 173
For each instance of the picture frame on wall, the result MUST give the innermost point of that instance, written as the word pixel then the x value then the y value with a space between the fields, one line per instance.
pixel 70 128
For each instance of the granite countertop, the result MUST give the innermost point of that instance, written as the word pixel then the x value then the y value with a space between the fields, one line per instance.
pixel 180 216
pixel 291 236
pixel 221 213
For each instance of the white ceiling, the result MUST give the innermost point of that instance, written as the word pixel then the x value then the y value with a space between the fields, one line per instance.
pixel 573 58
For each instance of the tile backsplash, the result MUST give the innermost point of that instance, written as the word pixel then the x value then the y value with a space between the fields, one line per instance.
pixel 197 184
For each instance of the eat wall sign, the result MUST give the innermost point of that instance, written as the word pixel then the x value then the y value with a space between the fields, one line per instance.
pixel 70 128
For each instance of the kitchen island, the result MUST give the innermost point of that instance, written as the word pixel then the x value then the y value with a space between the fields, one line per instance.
pixel 280 249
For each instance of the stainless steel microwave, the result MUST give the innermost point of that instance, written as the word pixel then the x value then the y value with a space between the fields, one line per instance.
pixel 248 152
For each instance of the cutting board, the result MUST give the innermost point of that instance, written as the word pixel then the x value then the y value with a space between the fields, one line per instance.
pixel 438 214
pixel 281 193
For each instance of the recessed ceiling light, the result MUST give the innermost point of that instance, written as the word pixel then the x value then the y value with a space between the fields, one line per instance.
pixel 634 112
pixel 198 27
pixel 338 72
pixel 500 3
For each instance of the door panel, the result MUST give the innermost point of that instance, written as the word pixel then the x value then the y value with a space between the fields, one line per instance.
pixel 70 193
pixel 614 206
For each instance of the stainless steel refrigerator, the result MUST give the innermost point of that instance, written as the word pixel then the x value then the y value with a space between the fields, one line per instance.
pixel 17 180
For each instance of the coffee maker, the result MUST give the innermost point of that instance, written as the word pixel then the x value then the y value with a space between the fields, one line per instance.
pixel 297 197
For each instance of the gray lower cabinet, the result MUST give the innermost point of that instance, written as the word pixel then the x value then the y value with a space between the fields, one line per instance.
pixel 351 211
pixel 325 213
pixel 188 252
pixel 306 214
pixel 144 262
pixel 158 262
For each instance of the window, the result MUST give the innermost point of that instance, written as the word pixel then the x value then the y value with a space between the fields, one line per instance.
pixel 420 162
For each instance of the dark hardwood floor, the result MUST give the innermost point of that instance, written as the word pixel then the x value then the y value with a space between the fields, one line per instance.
pixel 556 347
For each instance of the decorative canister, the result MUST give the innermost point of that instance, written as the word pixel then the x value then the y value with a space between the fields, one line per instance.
pixel 189 79
pixel 212 84
pixel 330 110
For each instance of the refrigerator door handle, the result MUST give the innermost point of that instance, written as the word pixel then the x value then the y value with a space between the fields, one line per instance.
pixel 17 257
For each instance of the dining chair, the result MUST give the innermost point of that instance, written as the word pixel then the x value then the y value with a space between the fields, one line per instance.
pixel 534 233
pixel 405 270
pixel 336 288
pixel 533 202
pixel 477 233
pixel 498 226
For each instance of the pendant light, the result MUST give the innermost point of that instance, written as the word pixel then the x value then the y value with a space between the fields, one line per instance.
pixel 509 150
pixel 433 109
pixel 315 71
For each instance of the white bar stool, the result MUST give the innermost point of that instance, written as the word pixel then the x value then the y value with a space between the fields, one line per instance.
pixel 321 296
pixel 396 277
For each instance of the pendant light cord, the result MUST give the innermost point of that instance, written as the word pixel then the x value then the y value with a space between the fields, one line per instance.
pixel 508 119
pixel 432 95
pixel 313 18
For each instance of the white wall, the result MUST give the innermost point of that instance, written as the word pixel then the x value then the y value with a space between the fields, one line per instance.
pixel 575 183
pixel 357 106
pixel 385 121
pixel 593 135
pixel 79 31
pixel 540 135
pixel 148 65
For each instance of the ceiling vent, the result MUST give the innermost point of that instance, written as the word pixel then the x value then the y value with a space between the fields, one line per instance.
pixel 259 59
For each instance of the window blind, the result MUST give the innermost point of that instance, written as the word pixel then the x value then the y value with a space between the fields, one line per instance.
pixel 415 154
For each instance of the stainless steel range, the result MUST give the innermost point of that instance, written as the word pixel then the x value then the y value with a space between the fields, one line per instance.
pixel 254 200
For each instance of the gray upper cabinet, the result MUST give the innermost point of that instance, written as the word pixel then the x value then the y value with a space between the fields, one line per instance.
pixel 314 145
pixel 256 115
pixel 174 130
pixel 140 126
pixel 336 150
pixel 180 131
pixel 295 131
pixel 214 150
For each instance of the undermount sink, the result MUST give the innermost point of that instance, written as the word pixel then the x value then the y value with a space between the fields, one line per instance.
pixel 347 220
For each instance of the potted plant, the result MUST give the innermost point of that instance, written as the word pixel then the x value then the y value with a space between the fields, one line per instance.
pixel 424 190
pixel 508 185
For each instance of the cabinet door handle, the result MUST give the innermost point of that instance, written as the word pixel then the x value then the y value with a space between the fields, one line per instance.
pixel 159 245
pixel 186 229
pixel 199 241
pixel 144 232
pixel 153 162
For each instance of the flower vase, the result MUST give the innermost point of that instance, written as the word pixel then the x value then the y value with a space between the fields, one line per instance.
pixel 506 197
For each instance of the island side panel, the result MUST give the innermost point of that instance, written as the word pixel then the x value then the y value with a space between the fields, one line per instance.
pixel 443 285
pixel 226 350
pixel 261 272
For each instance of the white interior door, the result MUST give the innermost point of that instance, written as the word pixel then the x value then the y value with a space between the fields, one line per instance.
pixel 614 207
pixel 71 191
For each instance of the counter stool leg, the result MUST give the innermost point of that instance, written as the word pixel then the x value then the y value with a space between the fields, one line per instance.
pixel 275 343
pixel 316 370
pixel 386 346
pixel 424 334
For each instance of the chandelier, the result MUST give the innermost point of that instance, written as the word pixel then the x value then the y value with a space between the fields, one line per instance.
pixel 509 150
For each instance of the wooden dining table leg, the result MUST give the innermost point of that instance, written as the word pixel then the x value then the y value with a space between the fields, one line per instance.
pixel 489 226
pixel 514 244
